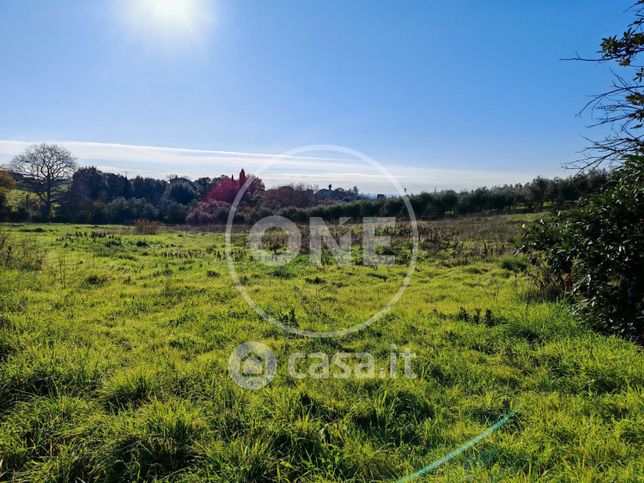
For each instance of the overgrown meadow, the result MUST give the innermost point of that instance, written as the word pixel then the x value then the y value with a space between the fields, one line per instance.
pixel 114 350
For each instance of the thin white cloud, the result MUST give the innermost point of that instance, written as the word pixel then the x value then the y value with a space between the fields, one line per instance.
pixel 177 156
pixel 161 161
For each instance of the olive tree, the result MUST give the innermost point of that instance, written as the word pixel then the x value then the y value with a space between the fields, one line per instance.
pixel 621 107
pixel 595 251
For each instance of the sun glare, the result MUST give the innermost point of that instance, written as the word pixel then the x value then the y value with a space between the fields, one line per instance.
pixel 168 19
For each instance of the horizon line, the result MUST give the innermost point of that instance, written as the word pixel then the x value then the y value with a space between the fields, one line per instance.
pixel 137 159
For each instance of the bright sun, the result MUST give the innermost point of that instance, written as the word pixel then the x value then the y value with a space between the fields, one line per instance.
pixel 168 19
pixel 170 13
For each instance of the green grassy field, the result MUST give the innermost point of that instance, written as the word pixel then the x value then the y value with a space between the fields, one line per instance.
pixel 114 352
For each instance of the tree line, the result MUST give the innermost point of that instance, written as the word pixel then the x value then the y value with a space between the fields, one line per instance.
pixel 537 195
pixel 52 188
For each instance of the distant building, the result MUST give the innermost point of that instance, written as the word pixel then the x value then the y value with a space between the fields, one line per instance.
pixel 338 194
pixel 325 194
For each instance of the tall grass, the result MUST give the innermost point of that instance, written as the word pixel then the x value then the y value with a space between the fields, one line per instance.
pixel 119 371
pixel 20 253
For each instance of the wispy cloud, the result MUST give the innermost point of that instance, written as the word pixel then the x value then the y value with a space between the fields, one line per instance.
pixel 316 168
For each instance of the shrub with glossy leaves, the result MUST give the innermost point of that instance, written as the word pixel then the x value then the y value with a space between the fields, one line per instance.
pixel 595 251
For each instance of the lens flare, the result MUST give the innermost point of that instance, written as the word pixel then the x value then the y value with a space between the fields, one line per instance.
pixel 171 20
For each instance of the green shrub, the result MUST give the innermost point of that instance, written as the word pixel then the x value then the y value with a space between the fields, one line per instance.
pixel 595 251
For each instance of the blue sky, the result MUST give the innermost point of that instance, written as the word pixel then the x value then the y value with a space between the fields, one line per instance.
pixel 444 94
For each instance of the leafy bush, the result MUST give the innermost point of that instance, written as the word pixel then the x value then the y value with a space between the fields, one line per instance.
pixel 122 210
pixel 208 213
pixel 595 251
pixel 175 213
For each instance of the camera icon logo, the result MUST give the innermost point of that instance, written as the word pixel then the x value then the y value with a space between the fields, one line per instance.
pixel 252 365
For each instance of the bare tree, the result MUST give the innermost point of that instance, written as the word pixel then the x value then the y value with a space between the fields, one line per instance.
pixel 43 169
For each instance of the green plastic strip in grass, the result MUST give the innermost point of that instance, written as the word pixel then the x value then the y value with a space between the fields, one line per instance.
pixel 453 454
